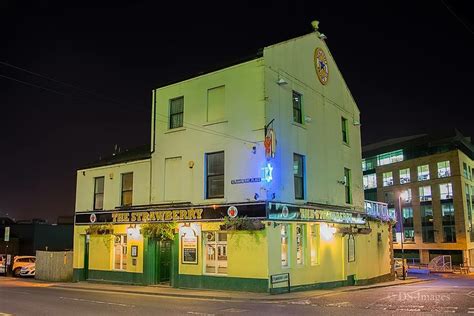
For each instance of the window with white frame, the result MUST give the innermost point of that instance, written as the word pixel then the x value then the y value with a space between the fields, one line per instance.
pixel 215 245
pixel 423 172
pixel 404 175
pixel 370 181
pixel 445 191
pixel 300 244
pixel 314 244
pixel 444 169
pixel 285 248
pixel 425 193
pixel 387 178
pixel 120 252
pixel 99 193
pixel 176 113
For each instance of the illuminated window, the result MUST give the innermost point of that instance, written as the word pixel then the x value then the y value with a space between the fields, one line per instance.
pixel 298 174
pixel 445 191
pixel 449 227
pixel 465 171
pixel 427 224
pixel 408 226
pixel 369 163
pixel 444 169
pixel 176 112
pixel 370 181
pixel 120 252
pixel 404 176
pixel 215 244
pixel 345 135
pixel 300 245
pixel 215 175
pixel 406 196
pixel 425 193
pixel 99 193
pixel 297 108
pixel 390 157
pixel 127 189
pixel 285 249
pixel 387 178
pixel 216 104
pixel 347 185
pixel 423 173
pixel 314 241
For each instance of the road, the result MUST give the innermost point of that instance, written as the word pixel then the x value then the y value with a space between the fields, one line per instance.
pixel 440 295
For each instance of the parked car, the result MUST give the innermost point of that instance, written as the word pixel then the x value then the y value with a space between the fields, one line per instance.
pixel 2 265
pixel 21 261
pixel 398 267
pixel 28 270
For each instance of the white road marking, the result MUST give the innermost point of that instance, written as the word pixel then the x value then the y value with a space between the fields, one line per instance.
pixel 340 304
pixel 234 310
pixel 5 314
pixel 202 314
pixel 304 302
pixel 93 301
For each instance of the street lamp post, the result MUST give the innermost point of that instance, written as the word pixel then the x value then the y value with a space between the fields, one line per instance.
pixel 402 230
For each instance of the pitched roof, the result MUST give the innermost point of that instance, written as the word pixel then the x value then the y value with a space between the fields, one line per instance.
pixel 133 154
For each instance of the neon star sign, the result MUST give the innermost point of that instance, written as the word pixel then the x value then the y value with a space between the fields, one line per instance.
pixel 268 172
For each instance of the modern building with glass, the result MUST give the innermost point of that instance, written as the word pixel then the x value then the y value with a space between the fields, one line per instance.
pixel 427 181
pixel 252 182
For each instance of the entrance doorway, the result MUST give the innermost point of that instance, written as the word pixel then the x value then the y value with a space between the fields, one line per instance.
pixel 164 261
pixel 86 257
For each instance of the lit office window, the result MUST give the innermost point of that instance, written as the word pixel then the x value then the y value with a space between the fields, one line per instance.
pixel 404 175
pixel 347 185
pixel 314 244
pixel 285 249
pixel 408 225
pixel 298 174
pixel 127 189
pixel 423 173
pixel 99 193
pixel 425 193
pixel 300 231
pixel 215 175
pixel 449 227
pixel 297 108
pixel 406 196
pixel 215 244
pixel 369 163
pixel 444 169
pixel 465 170
pixel 387 178
pixel 176 112
pixel 344 128
pixel 427 223
pixel 370 181
pixel 445 191
pixel 390 157
pixel 120 252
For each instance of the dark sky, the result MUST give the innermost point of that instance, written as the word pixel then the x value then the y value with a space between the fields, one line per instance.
pixel 408 64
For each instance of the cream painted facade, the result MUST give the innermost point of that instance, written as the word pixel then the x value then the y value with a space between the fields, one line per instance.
pixel 228 111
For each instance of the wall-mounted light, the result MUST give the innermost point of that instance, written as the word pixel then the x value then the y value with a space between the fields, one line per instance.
pixel 268 173
pixel 281 82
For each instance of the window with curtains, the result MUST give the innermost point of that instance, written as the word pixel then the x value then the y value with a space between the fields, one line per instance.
pixel 215 175
pixel 298 174
pixel 297 108
pixel 127 189
pixel 99 193
pixel 176 113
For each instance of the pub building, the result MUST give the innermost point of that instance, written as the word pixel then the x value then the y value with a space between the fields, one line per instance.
pixel 252 181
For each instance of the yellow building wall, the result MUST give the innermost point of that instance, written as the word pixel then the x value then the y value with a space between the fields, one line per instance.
pixel 113 184
pixel 246 254
pixel 79 246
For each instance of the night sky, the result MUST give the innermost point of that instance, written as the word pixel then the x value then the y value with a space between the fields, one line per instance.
pixel 408 64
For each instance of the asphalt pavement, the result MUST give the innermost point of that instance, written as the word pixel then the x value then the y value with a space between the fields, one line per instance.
pixel 453 294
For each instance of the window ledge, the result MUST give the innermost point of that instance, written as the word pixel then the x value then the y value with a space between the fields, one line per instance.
pixel 215 122
pixel 299 125
pixel 216 274
pixel 215 200
pixel 173 130
pixel 346 144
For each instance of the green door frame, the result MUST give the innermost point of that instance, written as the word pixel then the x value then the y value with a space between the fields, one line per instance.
pixel 86 257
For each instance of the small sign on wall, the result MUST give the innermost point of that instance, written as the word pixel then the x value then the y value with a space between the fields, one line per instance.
pixel 134 251
pixel 189 246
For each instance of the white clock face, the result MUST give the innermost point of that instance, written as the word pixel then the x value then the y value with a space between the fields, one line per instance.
pixel 321 66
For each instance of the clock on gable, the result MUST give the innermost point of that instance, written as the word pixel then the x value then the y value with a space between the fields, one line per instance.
pixel 321 66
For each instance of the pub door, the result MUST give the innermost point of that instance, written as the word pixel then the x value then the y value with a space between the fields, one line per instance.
pixel 164 261
pixel 86 257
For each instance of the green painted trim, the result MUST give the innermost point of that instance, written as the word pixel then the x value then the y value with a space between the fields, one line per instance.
pixel 222 283
pixel 110 276
pixel 174 275
pixel 381 278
